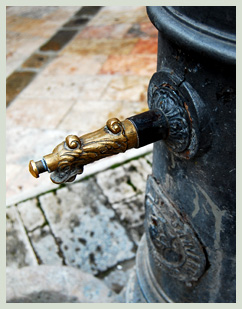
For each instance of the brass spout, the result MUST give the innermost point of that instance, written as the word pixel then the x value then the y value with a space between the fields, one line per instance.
pixel 68 158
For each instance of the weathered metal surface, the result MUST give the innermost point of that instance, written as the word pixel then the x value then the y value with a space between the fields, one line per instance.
pixel 164 97
pixel 171 241
pixel 188 254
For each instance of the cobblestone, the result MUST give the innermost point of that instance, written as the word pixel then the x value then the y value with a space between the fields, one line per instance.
pixel 45 246
pixel 91 239
pixel 131 213
pixel 18 249
pixel 93 225
pixel 115 184
pixel 31 215
pixel 124 181
pixel 138 171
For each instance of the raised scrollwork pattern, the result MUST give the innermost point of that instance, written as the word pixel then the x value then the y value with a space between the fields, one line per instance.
pixel 165 98
pixel 68 158
pixel 172 242
pixel 73 141
pixel 114 125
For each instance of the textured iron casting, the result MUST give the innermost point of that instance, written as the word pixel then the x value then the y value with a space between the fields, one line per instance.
pixel 188 251
pixel 171 241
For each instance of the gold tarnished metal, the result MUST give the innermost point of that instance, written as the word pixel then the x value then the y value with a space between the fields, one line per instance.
pixel 68 158
pixel 33 169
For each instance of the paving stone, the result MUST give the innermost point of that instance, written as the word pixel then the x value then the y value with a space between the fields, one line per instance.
pixel 62 14
pixel 19 253
pixel 13 62
pixel 31 215
pixel 78 22
pixel 45 246
pixel 66 87
pixel 142 65
pixel 16 45
pixel 16 82
pixel 11 171
pixel 23 186
pixel 124 181
pixel 88 116
pixel 36 61
pixel 55 284
pixel 131 213
pixel 32 12
pixel 101 46
pixel 138 171
pixel 15 183
pixel 146 46
pixel 58 40
pixel 107 31
pixel 69 9
pixel 91 239
pixel 93 87
pixel 122 87
pixel 120 14
pixel 32 26
pixel 75 65
pixel 115 184
pixel 17 42
pixel 88 11
pixel 38 112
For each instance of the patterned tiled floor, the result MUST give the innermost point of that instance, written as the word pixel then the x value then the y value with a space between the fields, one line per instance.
pixel 69 69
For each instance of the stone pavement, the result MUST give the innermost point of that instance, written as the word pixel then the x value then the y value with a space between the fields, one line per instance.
pixel 69 69
pixel 93 225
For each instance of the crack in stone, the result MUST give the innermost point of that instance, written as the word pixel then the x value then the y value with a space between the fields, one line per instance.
pixel 56 239
pixel 39 261
pixel 117 218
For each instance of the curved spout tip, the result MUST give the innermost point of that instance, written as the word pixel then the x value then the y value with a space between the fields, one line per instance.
pixel 33 169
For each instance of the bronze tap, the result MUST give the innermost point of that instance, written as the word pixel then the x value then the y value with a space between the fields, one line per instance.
pixel 168 121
